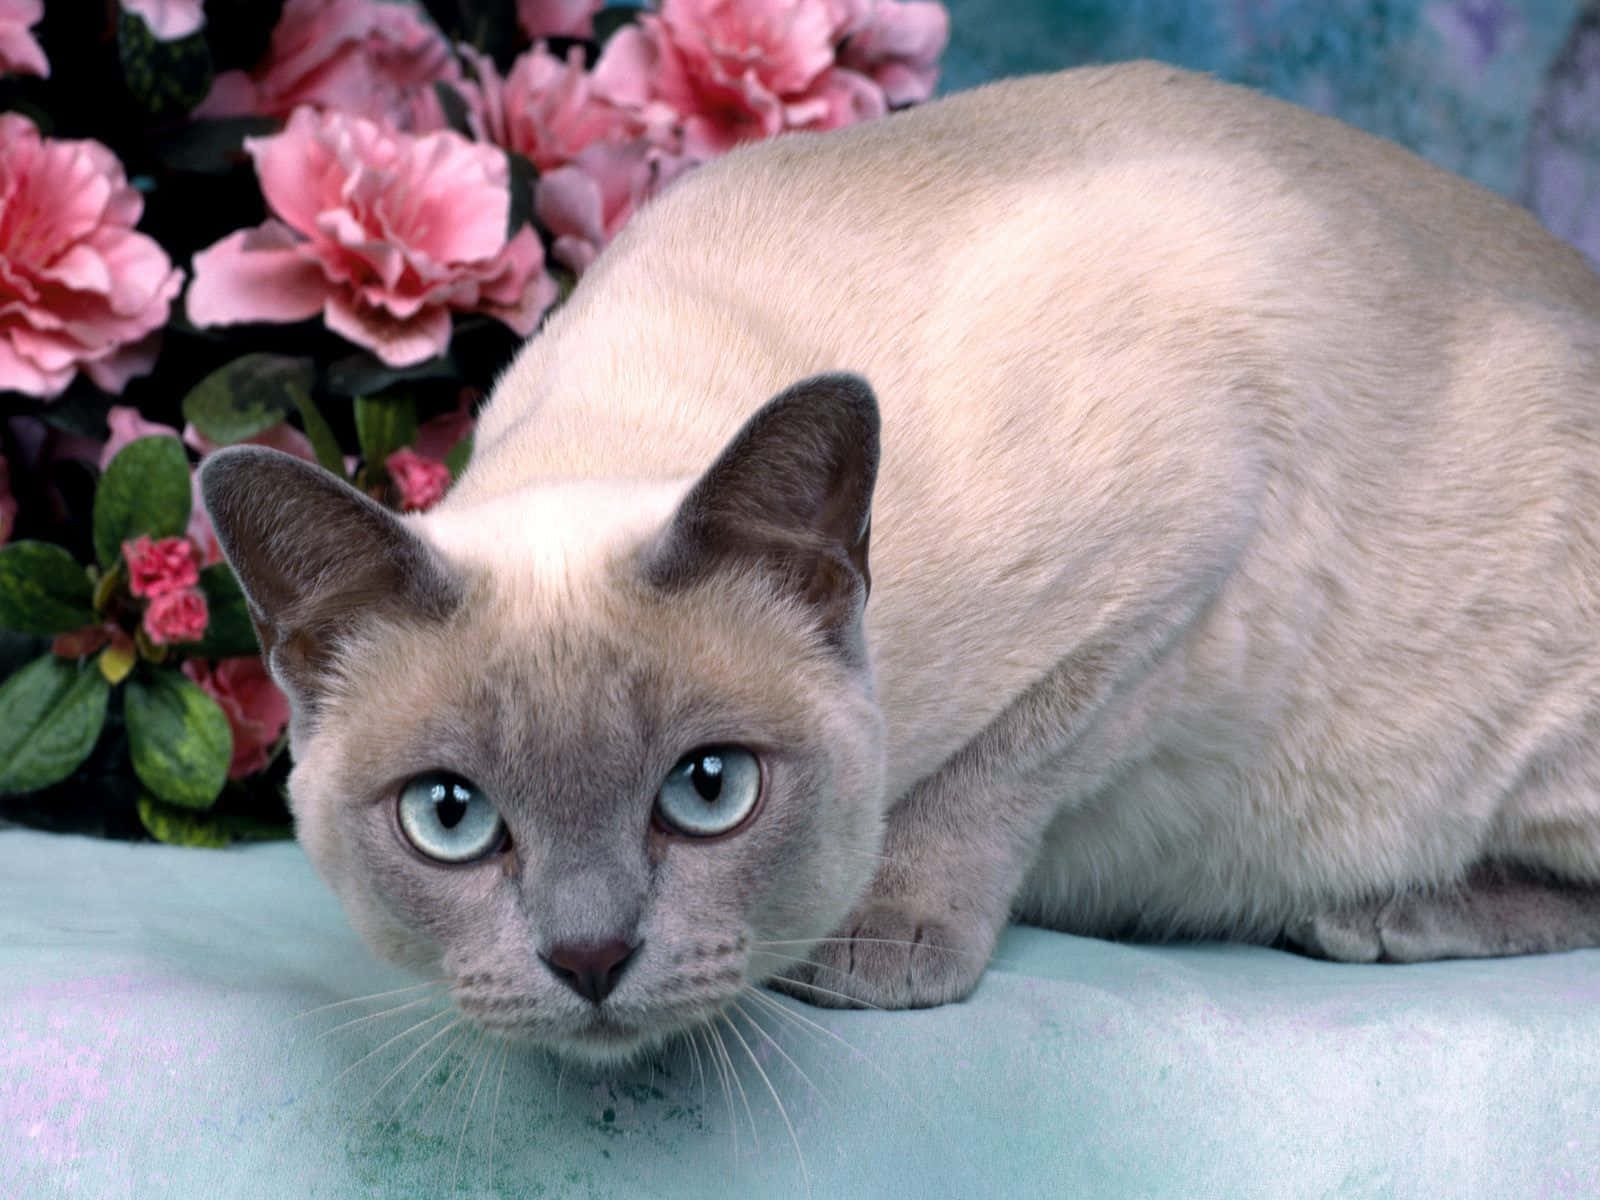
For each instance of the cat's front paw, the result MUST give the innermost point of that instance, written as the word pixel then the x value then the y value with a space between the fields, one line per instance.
pixel 890 956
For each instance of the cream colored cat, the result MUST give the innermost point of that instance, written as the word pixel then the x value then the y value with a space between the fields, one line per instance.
pixel 1234 572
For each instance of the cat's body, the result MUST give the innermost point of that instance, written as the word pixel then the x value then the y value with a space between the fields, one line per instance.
pixel 1234 555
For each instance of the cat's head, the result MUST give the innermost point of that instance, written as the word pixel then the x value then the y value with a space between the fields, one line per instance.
pixel 597 754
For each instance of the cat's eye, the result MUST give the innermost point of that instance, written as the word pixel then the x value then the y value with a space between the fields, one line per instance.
pixel 448 818
pixel 710 791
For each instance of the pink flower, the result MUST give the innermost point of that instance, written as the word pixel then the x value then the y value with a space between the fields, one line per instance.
pixel 421 482
pixel 169 19
pixel 79 289
pixel 897 46
pixel 558 18
pixel 8 503
pixel 257 711
pixel 736 70
pixel 547 109
pixel 19 53
pixel 156 568
pixel 383 233
pixel 179 616
pixel 584 204
pixel 368 57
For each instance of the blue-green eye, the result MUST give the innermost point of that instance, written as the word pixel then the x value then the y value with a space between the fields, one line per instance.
pixel 710 791
pixel 449 819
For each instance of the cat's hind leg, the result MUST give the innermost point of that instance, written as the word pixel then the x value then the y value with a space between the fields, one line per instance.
pixel 1494 911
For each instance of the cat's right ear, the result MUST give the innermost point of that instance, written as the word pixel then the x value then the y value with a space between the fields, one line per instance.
pixel 315 557
pixel 789 498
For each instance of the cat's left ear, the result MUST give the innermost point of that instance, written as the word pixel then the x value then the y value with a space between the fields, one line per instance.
pixel 316 558
pixel 791 497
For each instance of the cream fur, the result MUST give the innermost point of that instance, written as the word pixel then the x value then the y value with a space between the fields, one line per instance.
pixel 1276 444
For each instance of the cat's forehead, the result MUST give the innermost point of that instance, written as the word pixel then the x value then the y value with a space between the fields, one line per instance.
pixel 553 536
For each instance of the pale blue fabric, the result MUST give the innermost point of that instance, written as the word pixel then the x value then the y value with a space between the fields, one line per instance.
pixel 150 1047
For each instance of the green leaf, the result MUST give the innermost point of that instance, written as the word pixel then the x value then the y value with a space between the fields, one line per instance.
pixel 43 589
pixel 229 631
pixel 383 425
pixel 323 442
pixel 50 716
pixel 524 177
pixel 612 18
pixel 455 109
pixel 145 490
pixel 249 395
pixel 168 78
pixel 178 738
pixel 458 457
pixel 213 146
pixel 364 373
pixel 180 826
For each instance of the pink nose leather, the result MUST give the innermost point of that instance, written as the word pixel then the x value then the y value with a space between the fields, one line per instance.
pixel 590 970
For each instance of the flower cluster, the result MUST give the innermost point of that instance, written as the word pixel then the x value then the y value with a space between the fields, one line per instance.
pixel 322 226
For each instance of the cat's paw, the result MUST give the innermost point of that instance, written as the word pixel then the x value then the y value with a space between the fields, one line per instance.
pixel 890 956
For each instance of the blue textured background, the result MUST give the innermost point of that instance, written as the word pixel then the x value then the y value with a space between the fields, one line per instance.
pixel 1506 93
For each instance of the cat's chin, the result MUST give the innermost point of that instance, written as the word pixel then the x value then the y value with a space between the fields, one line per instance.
pixel 608 1043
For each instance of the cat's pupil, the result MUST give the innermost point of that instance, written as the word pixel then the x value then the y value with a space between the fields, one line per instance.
pixel 707 776
pixel 448 806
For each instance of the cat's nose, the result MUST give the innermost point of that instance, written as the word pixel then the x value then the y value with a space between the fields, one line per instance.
pixel 591 970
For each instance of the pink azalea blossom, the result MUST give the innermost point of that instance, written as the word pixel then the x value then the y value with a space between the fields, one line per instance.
pixel 158 567
pixel 179 616
pixel 382 233
pixel 8 503
pixel 547 109
pixel 584 204
pixel 368 57
pixel 558 18
pixel 421 482
pixel 256 710
pixel 898 45
pixel 169 19
pixel 736 70
pixel 79 288
pixel 20 54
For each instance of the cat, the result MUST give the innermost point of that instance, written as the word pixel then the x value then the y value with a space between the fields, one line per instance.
pixel 1234 527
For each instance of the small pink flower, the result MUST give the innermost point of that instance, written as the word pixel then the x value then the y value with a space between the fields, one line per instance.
pixel 736 70
pixel 365 57
pixel 421 482
pixel 558 18
pixel 8 503
pixel 79 288
pixel 384 234
pixel 179 616
pixel 156 568
pixel 897 46
pixel 169 19
pixel 256 710
pixel 20 54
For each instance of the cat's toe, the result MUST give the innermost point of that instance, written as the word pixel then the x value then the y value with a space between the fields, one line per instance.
pixel 890 957
pixel 1343 935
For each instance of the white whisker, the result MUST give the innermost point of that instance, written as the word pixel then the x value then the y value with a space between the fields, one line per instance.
pixel 782 1112
pixel 433 1066
pixel 311 1012
pixel 425 1021
pixel 377 1016
pixel 494 1111
pixel 466 1121
pixel 771 1041
pixel 744 1097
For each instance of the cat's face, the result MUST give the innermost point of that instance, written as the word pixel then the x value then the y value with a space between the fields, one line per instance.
pixel 597 791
